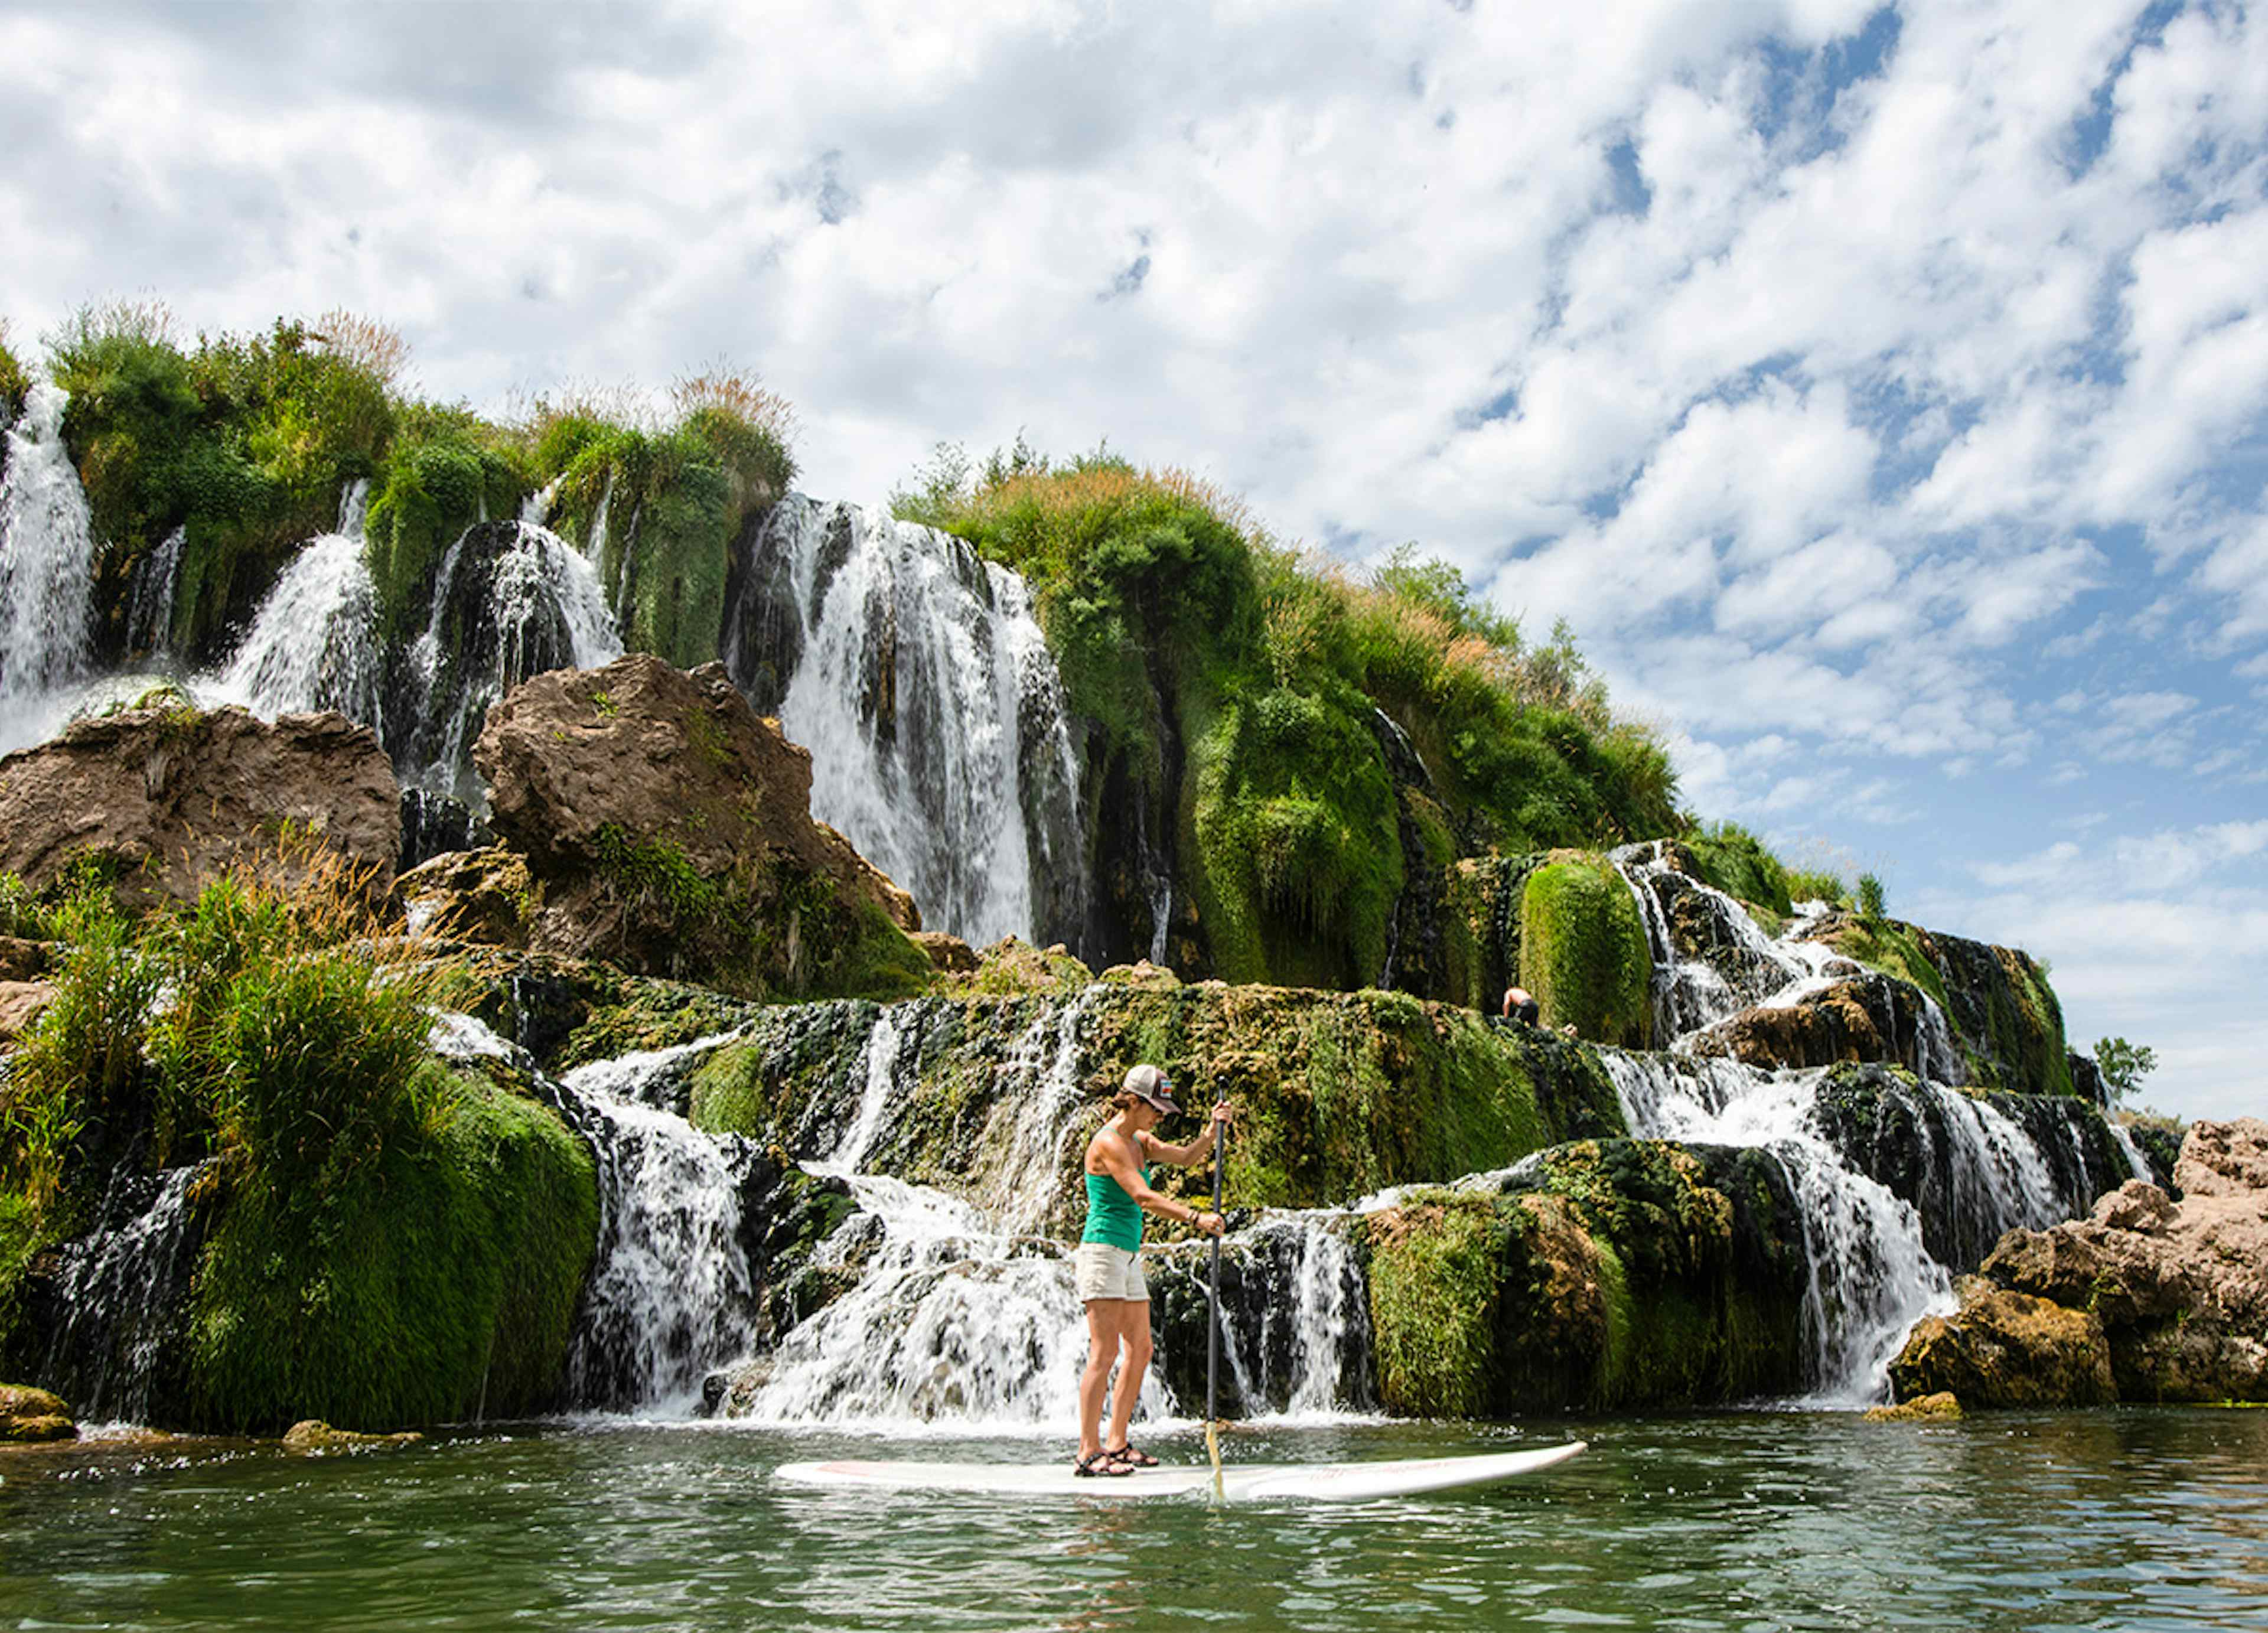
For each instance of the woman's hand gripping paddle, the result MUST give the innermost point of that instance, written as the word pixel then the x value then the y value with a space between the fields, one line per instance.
pixel 1212 1337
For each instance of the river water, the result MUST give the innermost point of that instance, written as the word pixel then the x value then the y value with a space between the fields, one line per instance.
pixel 2132 1518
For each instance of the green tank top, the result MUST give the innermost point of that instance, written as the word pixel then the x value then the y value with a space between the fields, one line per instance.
pixel 1112 1216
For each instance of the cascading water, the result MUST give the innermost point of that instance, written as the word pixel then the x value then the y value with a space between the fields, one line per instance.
pixel 670 1296
pixel 120 1295
pixel 150 602
pixel 916 673
pixel 313 643
pixel 47 572
pixel 510 600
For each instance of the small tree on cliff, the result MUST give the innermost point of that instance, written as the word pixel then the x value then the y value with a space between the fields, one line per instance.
pixel 2124 1066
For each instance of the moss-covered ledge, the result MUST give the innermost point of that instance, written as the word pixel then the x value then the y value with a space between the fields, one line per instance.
pixel 1626 1273
pixel 1338 1095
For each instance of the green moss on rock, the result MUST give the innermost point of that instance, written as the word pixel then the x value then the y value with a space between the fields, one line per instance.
pixel 1584 952
pixel 432 1283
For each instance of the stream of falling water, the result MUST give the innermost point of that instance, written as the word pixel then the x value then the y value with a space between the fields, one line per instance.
pixel 47 572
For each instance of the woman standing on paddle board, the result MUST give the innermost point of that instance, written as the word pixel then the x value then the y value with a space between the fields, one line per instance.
pixel 1107 1267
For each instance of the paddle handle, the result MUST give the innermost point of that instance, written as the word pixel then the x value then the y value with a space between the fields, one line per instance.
pixel 1212 1291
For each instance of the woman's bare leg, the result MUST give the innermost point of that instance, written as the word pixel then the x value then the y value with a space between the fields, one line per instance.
pixel 1134 1332
pixel 1102 1329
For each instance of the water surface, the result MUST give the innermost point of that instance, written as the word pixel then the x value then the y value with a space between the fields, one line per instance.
pixel 2130 1519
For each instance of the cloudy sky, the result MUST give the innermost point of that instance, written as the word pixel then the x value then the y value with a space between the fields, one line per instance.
pixel 1880 392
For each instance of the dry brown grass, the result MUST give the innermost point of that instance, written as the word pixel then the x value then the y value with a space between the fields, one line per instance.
pixel 737 391
pixel 365 343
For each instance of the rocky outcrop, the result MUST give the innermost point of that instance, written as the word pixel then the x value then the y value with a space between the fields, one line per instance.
pixel 2008 1348
pixel 2005 1021
pixel 29 1415
pixel 159 799
pixel 22 1003
pixel 1862 1020
pixel 670 830
pixel 1616 1274
pixel 2178 1291
pixel 1338 1095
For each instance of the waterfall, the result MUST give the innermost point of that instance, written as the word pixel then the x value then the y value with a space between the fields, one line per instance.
pixel 121 1294
pixel 916 675
pixel 150 598
pixel 510 600
pixel 313 643
pixel 47 572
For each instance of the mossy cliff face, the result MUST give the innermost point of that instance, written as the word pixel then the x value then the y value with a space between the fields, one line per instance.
pixel 1583 951
pixel 671 831
pixel 1336 1094
pixel 431 1282
pixel 2004 1016
pixel 437 1284
pixel 1633 1274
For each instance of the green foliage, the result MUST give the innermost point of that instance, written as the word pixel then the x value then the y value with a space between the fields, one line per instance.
pixel 2124 1065
pixel 1870 896
pixel 23 913
pixel 15 384
pixel 1584 952
pixel 1816 885
pixel 75 1086
pixel 394 1243
pixel 433 1281
pixel 1436 1272
pixel 243 441
pixel 1736 862
pixel 440 476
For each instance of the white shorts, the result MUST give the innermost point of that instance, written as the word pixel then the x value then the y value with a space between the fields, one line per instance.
pixel 1102 1271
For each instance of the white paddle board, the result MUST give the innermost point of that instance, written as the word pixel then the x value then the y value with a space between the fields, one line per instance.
pixel 1326 1483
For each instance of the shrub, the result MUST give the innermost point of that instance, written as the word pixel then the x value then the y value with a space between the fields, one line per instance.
pixel 75 1085
pixel 1736 862
pixel 1870 896
pixel 15 384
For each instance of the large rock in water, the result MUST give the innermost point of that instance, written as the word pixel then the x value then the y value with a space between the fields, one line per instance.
pixel 2005 1349
pixel 163 798
pixel 1865 1018
pixel 2179 1291
pixel 670 828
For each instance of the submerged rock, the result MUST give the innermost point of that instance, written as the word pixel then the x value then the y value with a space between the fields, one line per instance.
pixel 313 1435
pixel 160 800
pixel 1943 1407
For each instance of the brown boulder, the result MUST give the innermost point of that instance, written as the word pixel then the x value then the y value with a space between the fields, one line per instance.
pixel 21 960
pixel 2224 1159
pixel 948 954
pixel 670 828
pixel 313 1435
pixel 167 797
pixel 22 1003
pixel 2004 1349
pixel 1857 1021
pixel 1943 1407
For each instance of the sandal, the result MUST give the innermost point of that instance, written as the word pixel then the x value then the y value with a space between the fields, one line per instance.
pixel 1104 1465
pixel 1131 1455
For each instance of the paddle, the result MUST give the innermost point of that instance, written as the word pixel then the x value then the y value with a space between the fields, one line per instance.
pixel 1212 1335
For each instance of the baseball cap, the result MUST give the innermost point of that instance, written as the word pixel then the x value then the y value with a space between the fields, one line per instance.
pixel 1148 1084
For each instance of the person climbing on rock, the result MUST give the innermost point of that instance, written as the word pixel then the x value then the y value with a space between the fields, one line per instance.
pixel 1106 1266
pixel 1520 1005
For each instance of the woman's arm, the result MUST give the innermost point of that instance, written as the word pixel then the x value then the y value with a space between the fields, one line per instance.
pixel 1121 1167
pixel 1196 1150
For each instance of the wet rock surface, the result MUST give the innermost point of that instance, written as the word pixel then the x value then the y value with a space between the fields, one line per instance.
pixel 165 798
pixel 29 1417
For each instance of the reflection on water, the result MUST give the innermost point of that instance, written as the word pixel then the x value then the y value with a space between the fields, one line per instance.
pixel 2133 1519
